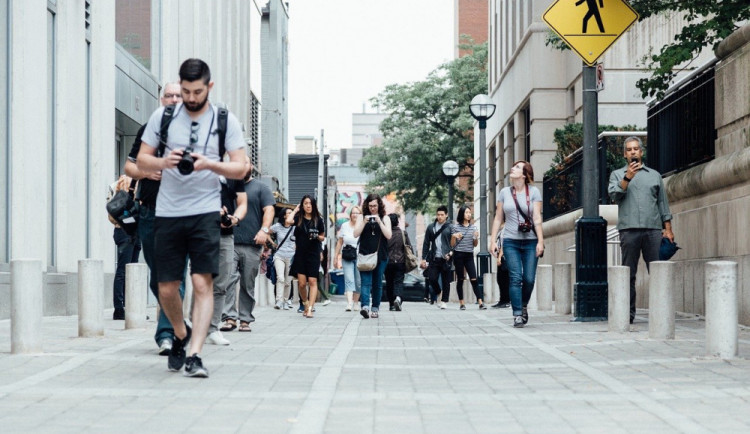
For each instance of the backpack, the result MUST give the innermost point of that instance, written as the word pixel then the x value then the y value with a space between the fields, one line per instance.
pixel 122 210
pixel 166 120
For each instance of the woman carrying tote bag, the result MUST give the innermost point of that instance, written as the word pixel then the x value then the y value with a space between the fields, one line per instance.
pixel 373 228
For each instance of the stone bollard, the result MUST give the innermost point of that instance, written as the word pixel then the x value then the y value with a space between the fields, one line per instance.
pixel 618 304
pixel 490 288
pixel 136 293
pixel 721 309
pixel 544 287
pixel 563 289
pixel 90 298
pixel 26 306
pixel 661 311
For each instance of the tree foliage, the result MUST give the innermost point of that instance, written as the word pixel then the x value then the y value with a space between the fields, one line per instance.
pixel 428 123
pixel 709 23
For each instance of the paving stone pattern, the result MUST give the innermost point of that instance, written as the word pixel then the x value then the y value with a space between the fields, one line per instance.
pixel 423 370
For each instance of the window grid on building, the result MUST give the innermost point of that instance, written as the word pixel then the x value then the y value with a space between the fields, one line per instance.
pixel 254 128
pixel 87 19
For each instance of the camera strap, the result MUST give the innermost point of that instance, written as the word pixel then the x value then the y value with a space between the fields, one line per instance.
pixel 528 207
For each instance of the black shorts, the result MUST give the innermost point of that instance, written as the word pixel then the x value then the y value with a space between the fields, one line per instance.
pixel 175 238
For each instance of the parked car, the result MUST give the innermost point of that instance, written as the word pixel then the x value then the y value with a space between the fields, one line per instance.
pixel 414 288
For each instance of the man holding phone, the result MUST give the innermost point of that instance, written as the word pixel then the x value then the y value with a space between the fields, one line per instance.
pixel 643 211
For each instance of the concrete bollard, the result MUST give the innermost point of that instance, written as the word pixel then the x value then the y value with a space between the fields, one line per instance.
pixel 661 311
pixel 490 288
pixel 26 306
pixel 544 287
pixel 618 304
pixel 562 286
pixel 136 293
pixel 721 309
pixel 90 298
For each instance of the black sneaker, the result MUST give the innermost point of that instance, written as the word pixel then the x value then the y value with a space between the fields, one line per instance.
pixel 525 315
pixel 365 313
pixel 518 322
pixel 118 314
pixel 392 308
pixel 463 307
pixel 397 304
pixel 497 305
pixel 177 354
pixel 194 367
pixel 482 306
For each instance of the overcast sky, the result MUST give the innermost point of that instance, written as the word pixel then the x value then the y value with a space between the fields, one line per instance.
pixel 344 52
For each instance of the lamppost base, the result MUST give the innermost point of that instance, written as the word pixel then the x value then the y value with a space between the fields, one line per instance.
pixel 483 267
pixel 591 270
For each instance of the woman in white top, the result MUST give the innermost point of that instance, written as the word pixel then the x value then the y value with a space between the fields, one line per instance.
pixel 282 259
pixel 347 246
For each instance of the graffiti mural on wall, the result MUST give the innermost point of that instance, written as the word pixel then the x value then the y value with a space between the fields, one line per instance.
pixel 349 196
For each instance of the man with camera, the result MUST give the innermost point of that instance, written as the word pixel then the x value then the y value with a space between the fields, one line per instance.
pixel 436 256
pixel 250 236
pixel 148 189
pixel 188 203
pixel 643 216
pixel 233 210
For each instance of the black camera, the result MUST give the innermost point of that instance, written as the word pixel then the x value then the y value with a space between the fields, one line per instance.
pixel 525 227
pixel 185 166
pixel 225 219
pixel 313 233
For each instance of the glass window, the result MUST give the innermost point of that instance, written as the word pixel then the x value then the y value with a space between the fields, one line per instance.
pixel 133 28
pixel 51 91
pixel 4 154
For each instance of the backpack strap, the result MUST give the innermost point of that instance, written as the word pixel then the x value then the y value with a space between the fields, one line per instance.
pixel 166 119
pixel 221 123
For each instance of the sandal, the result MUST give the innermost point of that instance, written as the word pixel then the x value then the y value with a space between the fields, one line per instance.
pixel 244 327
pixel 308 313
pixel 229 325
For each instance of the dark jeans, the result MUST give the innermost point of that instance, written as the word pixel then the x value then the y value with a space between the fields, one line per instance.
pixel 503 281
pixel 465 261
pixel 164 328
pixel 372 285
pixel 522 260
pixel 633 242
pixel 128 250
pixel 438 269
pixel 394 281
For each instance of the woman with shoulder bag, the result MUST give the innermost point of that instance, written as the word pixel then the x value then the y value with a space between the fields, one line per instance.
pixel 282 258
pixel 464 237
pixel 346 258
pixel 373 229
pixel 520 208
pixel 396 268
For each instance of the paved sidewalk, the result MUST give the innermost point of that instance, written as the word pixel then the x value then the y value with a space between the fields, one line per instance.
pixel 422 370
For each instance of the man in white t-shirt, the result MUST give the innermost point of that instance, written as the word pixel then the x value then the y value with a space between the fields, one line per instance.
pixel 187 208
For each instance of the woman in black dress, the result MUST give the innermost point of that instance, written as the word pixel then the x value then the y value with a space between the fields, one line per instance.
pixel 309 232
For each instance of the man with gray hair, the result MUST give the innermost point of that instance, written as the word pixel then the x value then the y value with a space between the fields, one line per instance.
pixel 643 211
pixel 148 189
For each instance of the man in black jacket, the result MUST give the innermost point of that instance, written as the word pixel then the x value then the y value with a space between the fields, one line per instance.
pixel 436 256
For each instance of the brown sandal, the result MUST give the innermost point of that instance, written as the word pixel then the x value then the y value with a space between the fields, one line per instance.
pixel 229 325
pixel 308 313
pixel 244 327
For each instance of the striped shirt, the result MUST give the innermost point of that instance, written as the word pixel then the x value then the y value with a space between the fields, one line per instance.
pixel 467 242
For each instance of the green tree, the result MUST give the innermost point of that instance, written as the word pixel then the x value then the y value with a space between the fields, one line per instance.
pixel 709 23
pixel 428 123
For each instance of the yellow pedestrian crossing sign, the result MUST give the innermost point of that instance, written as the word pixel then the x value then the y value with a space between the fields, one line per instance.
pixel 590 27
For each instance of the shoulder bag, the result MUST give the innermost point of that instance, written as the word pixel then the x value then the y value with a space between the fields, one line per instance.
pixel 369 261
pixel 410 259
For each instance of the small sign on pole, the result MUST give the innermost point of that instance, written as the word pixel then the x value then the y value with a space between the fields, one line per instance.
pixel 599 77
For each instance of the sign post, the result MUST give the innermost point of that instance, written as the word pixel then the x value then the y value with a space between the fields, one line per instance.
pixel 590 27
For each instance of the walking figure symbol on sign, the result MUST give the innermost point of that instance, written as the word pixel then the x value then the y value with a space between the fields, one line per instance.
pixel 593 12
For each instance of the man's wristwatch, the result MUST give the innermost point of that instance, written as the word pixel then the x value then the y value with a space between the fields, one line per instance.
pixel 626 179
pixel 264 229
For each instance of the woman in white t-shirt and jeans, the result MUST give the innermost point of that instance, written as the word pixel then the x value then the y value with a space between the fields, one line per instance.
pixel 520 208
pixel 351 273
pixel 282 259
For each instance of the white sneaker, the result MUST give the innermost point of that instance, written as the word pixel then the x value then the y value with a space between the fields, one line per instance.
pixel 289 304
pixel 327 302
pixel 286 306
pixel 279 304
pixel 442 305
pixel 349 307
pixel 165 347
pixel 216 338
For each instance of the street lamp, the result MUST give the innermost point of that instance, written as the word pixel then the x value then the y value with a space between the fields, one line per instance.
pixel 450 169
pixel 482 108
